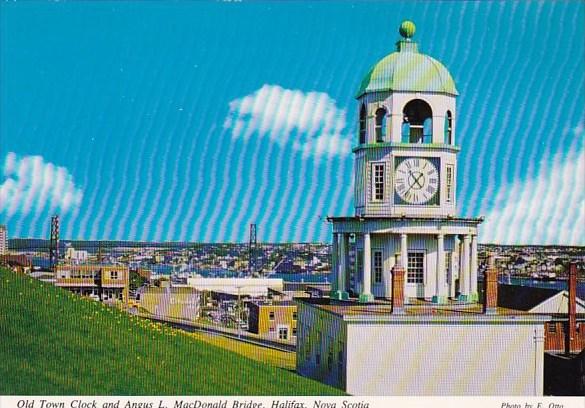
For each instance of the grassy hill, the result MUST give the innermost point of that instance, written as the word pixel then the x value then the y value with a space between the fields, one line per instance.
pixel 53 342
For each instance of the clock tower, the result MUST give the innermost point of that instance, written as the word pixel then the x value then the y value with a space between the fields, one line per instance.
pixel 405 186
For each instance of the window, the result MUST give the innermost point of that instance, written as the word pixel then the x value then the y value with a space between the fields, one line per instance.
pixel 283 333
pixel 271 316
pixel 272 330
pixel 552 328
pixel 294 332
pixel 294 315
pixel 380 125
pixel 415 267
pixel 363 124
pixel 378 181
pixel 114 275
pixel 417 122
pixel 378 266
pixel 448 128
pixel 330 356
pixel 449 184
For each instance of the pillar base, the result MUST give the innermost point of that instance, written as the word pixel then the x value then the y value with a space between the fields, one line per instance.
pixel 397 310
pixel 366 297
pixel 439 300
pixel 474 297
pixel 463 298
pixel 490 311
pixel 339 295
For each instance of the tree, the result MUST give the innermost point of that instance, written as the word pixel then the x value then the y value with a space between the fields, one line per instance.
pixel 136 280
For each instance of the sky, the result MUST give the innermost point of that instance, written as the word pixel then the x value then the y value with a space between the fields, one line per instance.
pixel 187 121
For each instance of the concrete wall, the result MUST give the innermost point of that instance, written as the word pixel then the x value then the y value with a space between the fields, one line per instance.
pixel 320 337
pixel 445 359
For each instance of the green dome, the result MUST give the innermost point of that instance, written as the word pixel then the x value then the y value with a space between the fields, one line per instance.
pixel 408 70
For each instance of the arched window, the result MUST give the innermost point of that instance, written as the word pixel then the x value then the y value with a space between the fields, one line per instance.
pixel 380 125
pixel 363 124
pixel 448 128
pixel 417 124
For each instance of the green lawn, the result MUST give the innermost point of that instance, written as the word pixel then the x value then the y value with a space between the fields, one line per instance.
pixel 53 342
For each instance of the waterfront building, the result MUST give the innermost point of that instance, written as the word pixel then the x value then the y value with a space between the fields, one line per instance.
pixel 113 281
pixel 254 287
pixel 276 320
pixel 3 240
pixel 74 255
pixel 404 318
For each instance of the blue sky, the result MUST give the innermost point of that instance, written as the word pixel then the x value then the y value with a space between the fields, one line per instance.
pixel 184 121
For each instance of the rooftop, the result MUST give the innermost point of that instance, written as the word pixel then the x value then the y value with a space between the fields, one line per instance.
pixel 421 310
pixel 407 217
pixel 523 298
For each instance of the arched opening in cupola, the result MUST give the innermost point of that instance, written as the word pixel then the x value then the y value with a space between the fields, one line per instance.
pixel 417 122
pixel 448 128
pixel 380 125
pixel 363 124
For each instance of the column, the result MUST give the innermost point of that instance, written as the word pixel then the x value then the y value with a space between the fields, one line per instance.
pixel 440 296
pixel 474 297
pixel 404 257
pixel 341 292
pixel 396 127
pixel 454 267
pixel 464 270
pixel 334 264
pixel 366 295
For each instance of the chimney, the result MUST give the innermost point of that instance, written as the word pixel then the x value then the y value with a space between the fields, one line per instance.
pixel 398 287
pixel 490 299
pixel 572 332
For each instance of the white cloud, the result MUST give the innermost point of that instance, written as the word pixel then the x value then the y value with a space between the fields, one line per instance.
pixel 31 184
pixel 311 119
pixel 546 209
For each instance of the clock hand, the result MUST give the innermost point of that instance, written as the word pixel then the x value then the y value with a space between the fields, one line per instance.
pixel 416 179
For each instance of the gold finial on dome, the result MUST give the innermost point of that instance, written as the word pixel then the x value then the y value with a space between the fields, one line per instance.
pixel 407 29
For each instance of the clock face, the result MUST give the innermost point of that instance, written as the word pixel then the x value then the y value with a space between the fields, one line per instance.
pixel 416 180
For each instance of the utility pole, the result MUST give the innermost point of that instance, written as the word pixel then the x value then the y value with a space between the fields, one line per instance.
pixel 100 256
pixel 252 248
pixel 54 243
